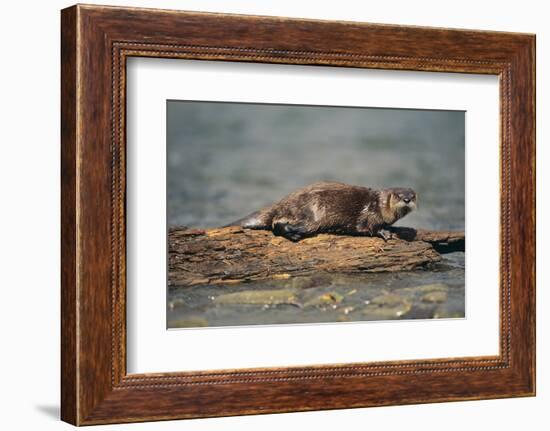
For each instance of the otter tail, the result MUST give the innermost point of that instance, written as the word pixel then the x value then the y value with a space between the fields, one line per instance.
pixel 257 220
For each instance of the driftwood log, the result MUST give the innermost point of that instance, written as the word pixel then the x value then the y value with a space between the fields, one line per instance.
pixel 234 255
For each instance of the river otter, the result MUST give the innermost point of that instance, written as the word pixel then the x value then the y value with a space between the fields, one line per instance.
pixel 332 207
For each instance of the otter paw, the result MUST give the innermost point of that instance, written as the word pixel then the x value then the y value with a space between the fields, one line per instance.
pixel 385 234
pixel 291 232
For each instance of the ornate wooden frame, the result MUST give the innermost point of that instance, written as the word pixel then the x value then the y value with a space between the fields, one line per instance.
pixel 96 41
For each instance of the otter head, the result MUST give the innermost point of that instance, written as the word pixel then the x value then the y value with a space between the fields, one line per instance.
pixel 396 203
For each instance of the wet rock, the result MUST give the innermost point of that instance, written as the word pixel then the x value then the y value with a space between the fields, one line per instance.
pixel 176 302
pixel 191 322
pixel 348 310
pixel 328 298
pixel 259 297
pixel 435 297
pixel 426 288
pixel 387 300
pixel 386 307
pixel 446 314
pixel 435 287
pixel 309 282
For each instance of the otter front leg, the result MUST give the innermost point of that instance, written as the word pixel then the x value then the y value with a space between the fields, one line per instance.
pixel 385 234
pixel 292 232
pixel 376 230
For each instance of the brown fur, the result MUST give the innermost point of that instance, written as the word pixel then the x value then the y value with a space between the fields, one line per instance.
pixel 333 208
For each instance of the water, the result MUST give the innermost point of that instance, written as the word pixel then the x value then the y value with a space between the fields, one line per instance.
pixel 227 160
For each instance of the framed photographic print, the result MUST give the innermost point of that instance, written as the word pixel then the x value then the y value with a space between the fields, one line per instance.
pixel 264 214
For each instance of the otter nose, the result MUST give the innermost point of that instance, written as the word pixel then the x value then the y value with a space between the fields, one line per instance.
pixel 406 200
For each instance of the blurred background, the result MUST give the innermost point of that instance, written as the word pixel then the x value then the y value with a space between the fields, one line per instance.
pixel 226 160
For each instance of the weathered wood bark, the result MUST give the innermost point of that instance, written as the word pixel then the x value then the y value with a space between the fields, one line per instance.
pixel 442 241
pixel 232 254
